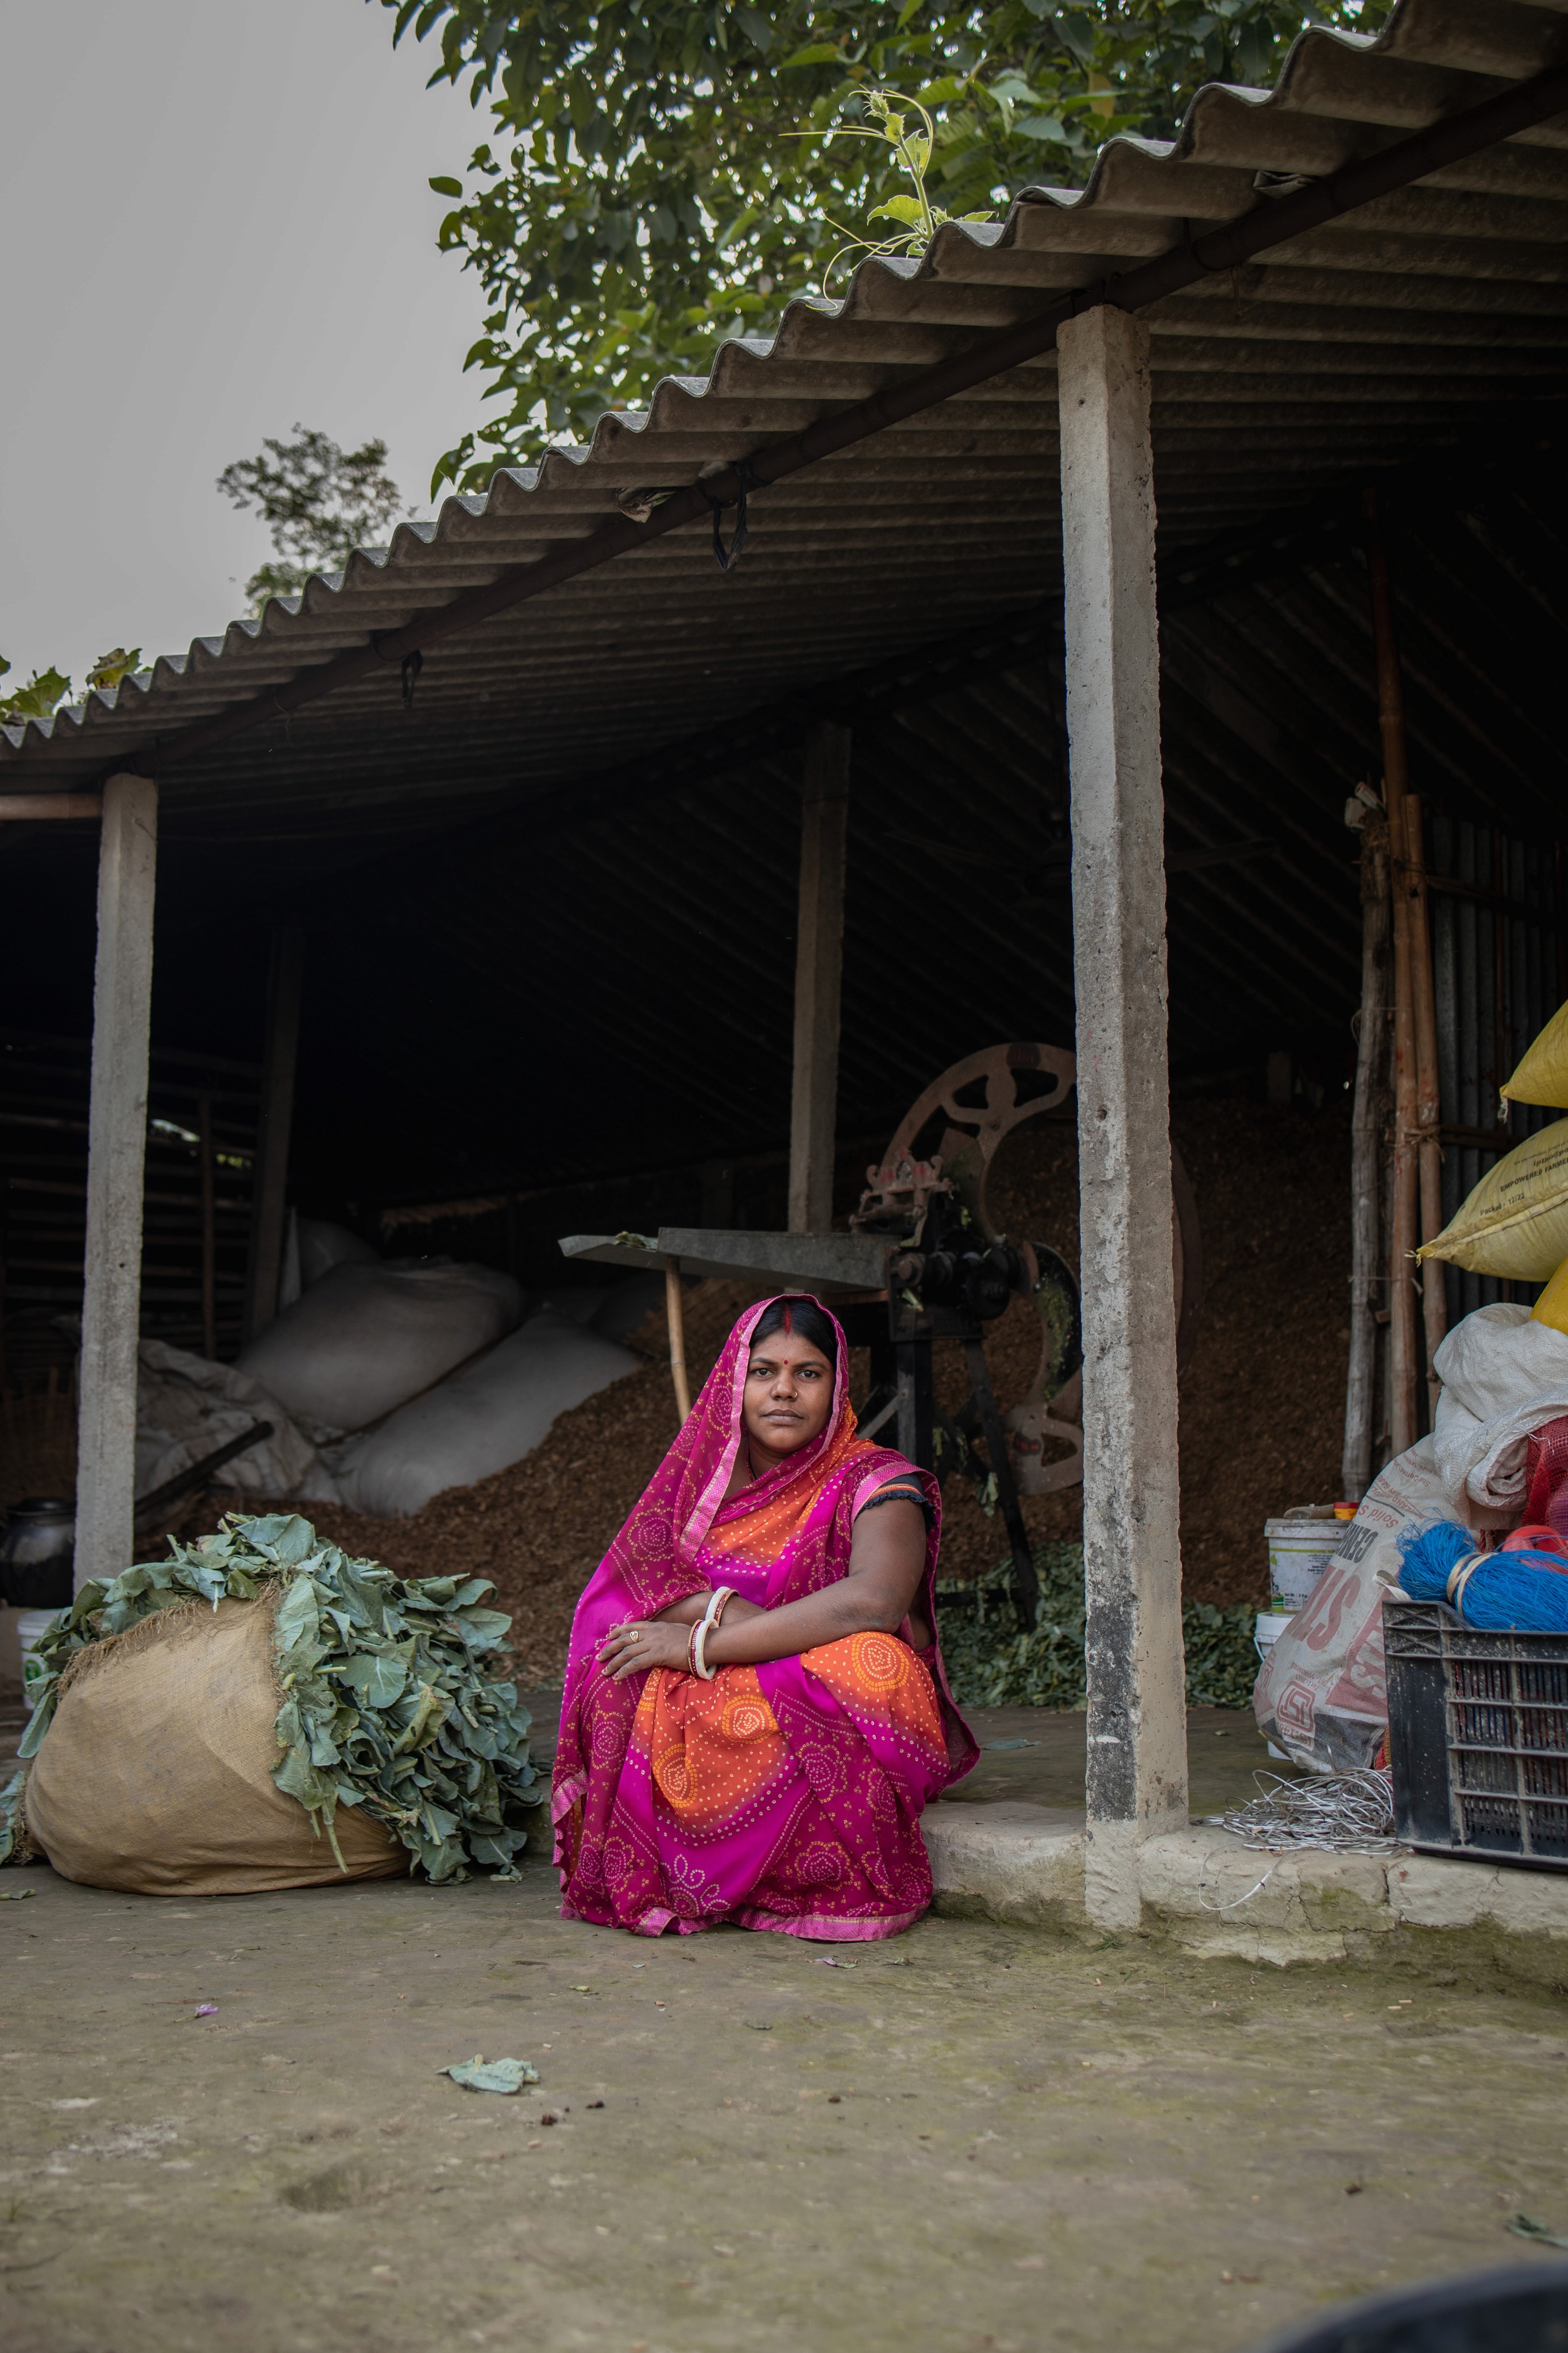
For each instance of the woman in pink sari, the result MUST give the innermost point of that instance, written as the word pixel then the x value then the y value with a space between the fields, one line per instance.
pixel 755 1711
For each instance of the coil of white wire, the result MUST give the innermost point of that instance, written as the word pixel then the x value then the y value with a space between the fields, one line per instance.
pixel 1349 1814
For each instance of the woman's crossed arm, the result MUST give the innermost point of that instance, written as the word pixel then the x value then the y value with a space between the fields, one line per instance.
pixel 887 1561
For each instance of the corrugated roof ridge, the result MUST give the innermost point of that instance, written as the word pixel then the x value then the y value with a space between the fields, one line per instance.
pixel 1398 41
pixel 1173 155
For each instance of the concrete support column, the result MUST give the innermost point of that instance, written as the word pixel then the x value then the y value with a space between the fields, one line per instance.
pixel 1137 1775
pixel 269 1180
pixel 116 1158
pixel 818 974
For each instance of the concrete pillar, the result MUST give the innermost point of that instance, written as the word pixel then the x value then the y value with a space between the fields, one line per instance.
pixel 1137 1774
pixel 116 1157
pixel 818 973
pixel 270 1179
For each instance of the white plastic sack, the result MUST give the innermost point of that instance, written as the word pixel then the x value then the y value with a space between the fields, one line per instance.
pixel 1503 1375
pixel 1322 1696
pixel 187 1407
pixel 323 1245
pixel 581 1305
pixel 311 1248
pixel 613 1309
pixel 365 1339
pixel 632 1302
pixel 486 1417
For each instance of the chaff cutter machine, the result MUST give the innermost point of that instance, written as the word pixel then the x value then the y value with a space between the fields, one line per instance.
pixel 922 1262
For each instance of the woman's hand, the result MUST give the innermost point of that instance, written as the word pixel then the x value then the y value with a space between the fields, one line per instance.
pixel 638 1644
pixel 887 1563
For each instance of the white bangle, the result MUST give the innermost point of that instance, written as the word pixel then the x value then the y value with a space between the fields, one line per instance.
pixel 710 1617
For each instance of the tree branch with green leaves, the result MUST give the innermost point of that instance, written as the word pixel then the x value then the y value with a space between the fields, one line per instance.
pixel 48 689
pixel 319 502
pixel 659 176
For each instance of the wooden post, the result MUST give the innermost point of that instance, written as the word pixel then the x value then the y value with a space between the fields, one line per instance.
pixel 1428 1106
pixel 116 1161
pixel 675 1316
pixel 1136 1783
pixel 1402 1345
pixel 1366 1125
pixel 30 807
pixel 209 1231
pixel 270 1179
pixel 818 974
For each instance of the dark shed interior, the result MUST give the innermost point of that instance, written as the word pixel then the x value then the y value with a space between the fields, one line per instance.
pixel 548 873
pixel 596 982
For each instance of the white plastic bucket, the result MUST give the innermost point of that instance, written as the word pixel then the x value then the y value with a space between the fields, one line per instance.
pixel 31 1625
pixel 1271 1624
pixel 1299 1549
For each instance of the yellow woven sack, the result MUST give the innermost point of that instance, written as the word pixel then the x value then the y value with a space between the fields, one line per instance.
pixel 1552 1307
pixel 1543 1076
pixel 1515 1223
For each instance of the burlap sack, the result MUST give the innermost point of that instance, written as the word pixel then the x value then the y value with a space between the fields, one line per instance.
pixel 156 1773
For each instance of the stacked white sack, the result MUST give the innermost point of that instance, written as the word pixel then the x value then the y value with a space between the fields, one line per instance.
pixel 365 1339
pixel 481 1419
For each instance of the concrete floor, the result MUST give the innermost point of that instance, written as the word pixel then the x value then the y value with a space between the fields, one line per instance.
pixel 973 2140
pixel 1036 1756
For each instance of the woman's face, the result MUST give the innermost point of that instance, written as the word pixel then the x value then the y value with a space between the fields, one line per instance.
pixel 789 1393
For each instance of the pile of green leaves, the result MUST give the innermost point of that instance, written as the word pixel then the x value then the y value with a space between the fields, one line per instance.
pixel 644 188
pixel 991 1664
pixel 385 1704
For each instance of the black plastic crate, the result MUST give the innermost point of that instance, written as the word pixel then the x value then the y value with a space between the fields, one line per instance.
pixel 1478 1737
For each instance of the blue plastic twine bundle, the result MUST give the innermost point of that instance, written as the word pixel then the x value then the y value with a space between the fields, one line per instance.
pixel 1507 1592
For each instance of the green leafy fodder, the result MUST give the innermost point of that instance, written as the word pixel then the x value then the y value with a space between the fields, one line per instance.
pixel 385 1703
pixel 991 1663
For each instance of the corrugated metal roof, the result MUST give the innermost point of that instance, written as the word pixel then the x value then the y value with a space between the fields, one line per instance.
pixel 1394 331
pixel 552 904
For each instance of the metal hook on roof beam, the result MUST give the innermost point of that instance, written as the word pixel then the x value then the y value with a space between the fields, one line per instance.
pixel 728 557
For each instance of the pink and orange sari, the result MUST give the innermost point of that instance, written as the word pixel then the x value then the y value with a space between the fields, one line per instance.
pixel 785 1795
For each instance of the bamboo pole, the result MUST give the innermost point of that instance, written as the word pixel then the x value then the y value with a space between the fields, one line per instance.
pixel 1402 1345
pixel 1428 1109
pixel 209 1232
pixel 1371 1065
pixel 675 1315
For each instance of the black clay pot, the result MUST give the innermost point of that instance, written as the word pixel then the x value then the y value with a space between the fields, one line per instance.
pixel 37 1554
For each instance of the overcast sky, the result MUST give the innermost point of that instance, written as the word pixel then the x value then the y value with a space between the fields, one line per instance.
pixel 213 221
